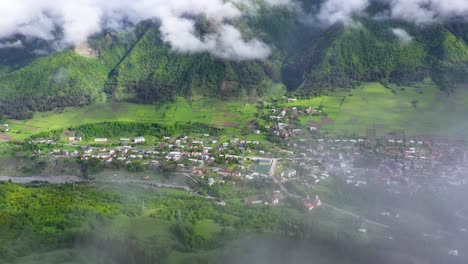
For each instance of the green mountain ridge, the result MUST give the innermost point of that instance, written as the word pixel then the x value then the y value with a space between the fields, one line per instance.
pixel 137 66
pixel 371 52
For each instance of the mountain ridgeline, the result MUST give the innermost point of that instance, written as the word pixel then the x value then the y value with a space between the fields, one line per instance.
pixel 137 66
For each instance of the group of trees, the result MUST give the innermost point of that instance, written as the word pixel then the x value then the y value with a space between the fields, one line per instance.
pixel 60 80
pixel 24 107
pixel 116 129
pixel 372 52
pixel 55 217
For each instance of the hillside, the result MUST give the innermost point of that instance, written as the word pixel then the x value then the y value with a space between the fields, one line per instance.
pixel 372 52
pixel 149 72
pixel 62 79
pixel 137 66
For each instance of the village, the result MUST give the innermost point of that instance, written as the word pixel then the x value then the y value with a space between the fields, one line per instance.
pixel 305 158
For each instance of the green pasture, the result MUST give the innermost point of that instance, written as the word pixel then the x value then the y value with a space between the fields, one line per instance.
pixel 230 115
pixel 421 109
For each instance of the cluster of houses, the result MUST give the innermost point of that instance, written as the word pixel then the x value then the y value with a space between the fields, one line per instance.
pixel 281 118
pixel 290 112
pixel 196 155
pixel 268 198
pixel 400 165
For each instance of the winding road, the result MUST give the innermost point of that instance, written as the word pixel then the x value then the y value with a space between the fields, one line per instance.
pixel 51 179
pixel 324 204
pixel 63 179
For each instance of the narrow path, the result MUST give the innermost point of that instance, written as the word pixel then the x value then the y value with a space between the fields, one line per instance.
pixel 273 167
pixel 147 183
pixel 343 211
pixel 62 179
pixel 187 175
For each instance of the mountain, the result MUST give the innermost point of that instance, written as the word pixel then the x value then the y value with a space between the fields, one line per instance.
pixel 137 66
pixel 371 51
pixel 150 72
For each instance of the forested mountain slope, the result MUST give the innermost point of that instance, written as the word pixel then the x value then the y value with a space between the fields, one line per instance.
pixel 372 52
pixel 137 66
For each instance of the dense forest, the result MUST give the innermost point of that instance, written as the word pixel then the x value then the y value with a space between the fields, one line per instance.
pixel 84 224
pixel 137 66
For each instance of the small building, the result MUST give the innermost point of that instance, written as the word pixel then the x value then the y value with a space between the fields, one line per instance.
pixel 211 181
pixel 289 173
pixel 310 205
pixel 139 140
pixel 100 140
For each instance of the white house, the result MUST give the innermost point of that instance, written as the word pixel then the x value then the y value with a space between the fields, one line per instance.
pixel 139 140
pixel 210 181
pixel 289 173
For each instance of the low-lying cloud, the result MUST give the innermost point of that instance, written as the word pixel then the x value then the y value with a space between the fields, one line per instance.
pixel 78 20
pixel 416 11
pixel 334 11
pixel 11 44
pixel 402 35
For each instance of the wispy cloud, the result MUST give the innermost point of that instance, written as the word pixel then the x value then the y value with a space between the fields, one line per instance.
pixel 80 19
pixel 402 35
pixel 417 11
pixel 11 44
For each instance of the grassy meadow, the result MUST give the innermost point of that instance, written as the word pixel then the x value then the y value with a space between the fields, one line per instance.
pixel 230 115
pixel 421 109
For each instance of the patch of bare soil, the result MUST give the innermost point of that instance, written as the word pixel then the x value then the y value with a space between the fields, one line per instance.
pixel 231 115
pixel 226 124
pixel 84 50
pixel 325 121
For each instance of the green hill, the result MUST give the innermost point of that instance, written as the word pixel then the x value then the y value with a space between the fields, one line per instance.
pixel 370 51
pixel 150 72
pixel 136 66
pixel 59 80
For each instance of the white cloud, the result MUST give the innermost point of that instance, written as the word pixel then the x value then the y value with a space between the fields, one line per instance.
pixel 334 11
pixel 12 45
pixel 417 11
pixel 81 19
pixel 402 35
pixel 428 11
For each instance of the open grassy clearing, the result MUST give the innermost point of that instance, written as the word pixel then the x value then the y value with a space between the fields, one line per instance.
pixel 421 109
pixel 418 110
pixel 230 115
